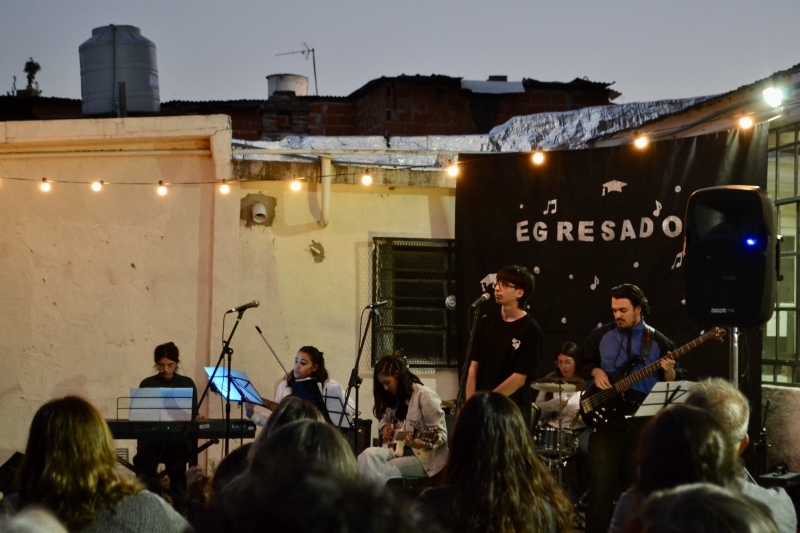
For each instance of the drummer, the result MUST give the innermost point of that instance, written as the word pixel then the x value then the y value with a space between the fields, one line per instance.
pixel 566 367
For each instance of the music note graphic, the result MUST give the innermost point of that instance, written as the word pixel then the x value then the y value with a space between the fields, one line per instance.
pixel 678 261
pixel 554 203
pixel 594 285
pixel 658 209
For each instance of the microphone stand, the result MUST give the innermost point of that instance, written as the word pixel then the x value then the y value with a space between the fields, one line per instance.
pixel 355 381
pixel 226 350
pixel 462 383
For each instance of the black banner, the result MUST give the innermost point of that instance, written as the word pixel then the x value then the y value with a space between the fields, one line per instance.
pixel 587 220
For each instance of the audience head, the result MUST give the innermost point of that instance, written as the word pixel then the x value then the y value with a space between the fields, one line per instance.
pixel 519 277
pixel 307 442
pixel 309 362
pixel 500 482
pixel 231 466
pixel 392 382
pixel 727 405
pixel 69 463
pixel 703 508
pixel 296 497
pixel 290 409
pixel 684 444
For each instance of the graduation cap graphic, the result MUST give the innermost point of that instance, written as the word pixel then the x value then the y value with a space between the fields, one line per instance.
pixel 613 186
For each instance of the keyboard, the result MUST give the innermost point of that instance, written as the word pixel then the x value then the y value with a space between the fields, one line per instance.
pixel 198 429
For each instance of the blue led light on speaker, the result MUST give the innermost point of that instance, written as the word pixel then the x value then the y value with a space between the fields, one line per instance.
pixel 750 241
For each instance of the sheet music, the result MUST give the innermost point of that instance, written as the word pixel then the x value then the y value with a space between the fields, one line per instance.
pixel 664 394
pixel 160 404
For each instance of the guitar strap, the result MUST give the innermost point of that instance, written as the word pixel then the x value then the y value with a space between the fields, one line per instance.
pixel 646 340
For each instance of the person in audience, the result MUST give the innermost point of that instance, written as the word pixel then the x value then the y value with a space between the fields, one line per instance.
pixel 731 409
pixel 289 410
pixel 403 403
pixel 680 445
pixel 231 466
pixel 69 469
pixel 174 454
pixel 294 496
pixel 309 363
pixel 494 481
pixel 703 508
pixel 31 520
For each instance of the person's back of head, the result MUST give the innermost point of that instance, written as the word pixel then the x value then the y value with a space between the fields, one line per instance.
pixel 291 409
pixel 307 498
pixel 683 444
pixel 307 442
pixel 726 404
pixel 69 464
pixel 703 508
pixel 499 482
pixel 231 466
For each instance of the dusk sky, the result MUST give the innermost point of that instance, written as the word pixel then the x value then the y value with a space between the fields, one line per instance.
pixel 224 50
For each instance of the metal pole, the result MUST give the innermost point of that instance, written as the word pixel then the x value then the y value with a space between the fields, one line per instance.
pixel 733 353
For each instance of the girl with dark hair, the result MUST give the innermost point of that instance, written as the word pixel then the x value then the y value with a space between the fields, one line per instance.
pixel 403 403
pixel 69 468
pixel 567 363
pixel 680 445
pixel 494 481
pixel 174 454
pixel 309 363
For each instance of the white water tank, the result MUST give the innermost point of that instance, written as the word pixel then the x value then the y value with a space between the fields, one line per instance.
pixel 114 54
pixel 287 82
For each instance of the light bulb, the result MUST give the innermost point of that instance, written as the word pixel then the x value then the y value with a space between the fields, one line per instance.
pixel 537 158
pixel 366 179
pixel 641 141
pixel 773 96
pixel 745 123
pixel 224 188
pixel 44 186
pixel 162 189
pixel 452 170
pixel 97 185
pixel 295 185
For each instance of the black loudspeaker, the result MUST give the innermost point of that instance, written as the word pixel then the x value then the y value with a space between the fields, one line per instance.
pixel 7 472
pixel 729 256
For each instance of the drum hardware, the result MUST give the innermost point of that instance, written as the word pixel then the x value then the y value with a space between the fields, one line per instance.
pixel 566 443
pixel 557 385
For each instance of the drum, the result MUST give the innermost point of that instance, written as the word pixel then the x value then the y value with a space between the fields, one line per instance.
pixel 549 439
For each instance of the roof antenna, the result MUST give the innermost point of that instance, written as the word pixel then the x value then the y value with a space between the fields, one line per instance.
pixel 307 52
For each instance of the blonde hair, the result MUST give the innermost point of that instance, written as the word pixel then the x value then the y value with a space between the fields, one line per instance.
pixel 69 463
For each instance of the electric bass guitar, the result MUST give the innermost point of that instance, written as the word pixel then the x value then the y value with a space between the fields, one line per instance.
pixel 598 406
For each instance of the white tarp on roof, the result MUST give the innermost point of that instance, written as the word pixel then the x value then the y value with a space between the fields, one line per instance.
pixel 565 130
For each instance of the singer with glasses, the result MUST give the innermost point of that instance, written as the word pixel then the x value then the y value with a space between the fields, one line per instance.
pixel 309 363
pixel 174 454
pixel 508 343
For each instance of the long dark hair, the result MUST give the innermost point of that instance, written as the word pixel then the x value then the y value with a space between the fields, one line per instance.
pixel 69 464
pixel 391 366
pixel 570 349
pixel 320 374
pixel 500 485
pixel 684 444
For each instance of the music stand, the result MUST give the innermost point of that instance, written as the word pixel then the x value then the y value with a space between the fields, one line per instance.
pixel 336 410
pixel 308 389
pixel 241 387
pixel 664 394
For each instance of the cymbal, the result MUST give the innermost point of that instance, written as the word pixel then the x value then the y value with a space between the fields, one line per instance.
pixel 556 384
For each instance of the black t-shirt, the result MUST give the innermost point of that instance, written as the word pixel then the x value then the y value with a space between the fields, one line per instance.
pixel 504 348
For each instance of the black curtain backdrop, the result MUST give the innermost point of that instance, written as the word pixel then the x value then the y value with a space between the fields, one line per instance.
pixel 587 220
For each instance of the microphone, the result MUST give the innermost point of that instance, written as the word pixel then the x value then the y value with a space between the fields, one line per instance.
pixel 483 298
pixel 241 308
pixel 378 304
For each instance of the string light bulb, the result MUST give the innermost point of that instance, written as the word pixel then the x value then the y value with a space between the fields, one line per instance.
pixel 162 189
pixel 773 96
pixel 366 179
pixel 745 123
pixel 295 185
pixel 452 169
pixel 45 186
pixel 97 185
pixel 641 141
pixel 537 158
pixel 224 188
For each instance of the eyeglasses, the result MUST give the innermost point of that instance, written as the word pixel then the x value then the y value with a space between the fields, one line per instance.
pixel 503 285
pixel 565 363
pixel 168 366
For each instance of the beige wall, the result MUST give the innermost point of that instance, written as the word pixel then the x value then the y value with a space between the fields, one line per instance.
pixel 91 282
pixel 305 302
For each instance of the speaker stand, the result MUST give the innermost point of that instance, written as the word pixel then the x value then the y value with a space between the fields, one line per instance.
pixel 733 352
